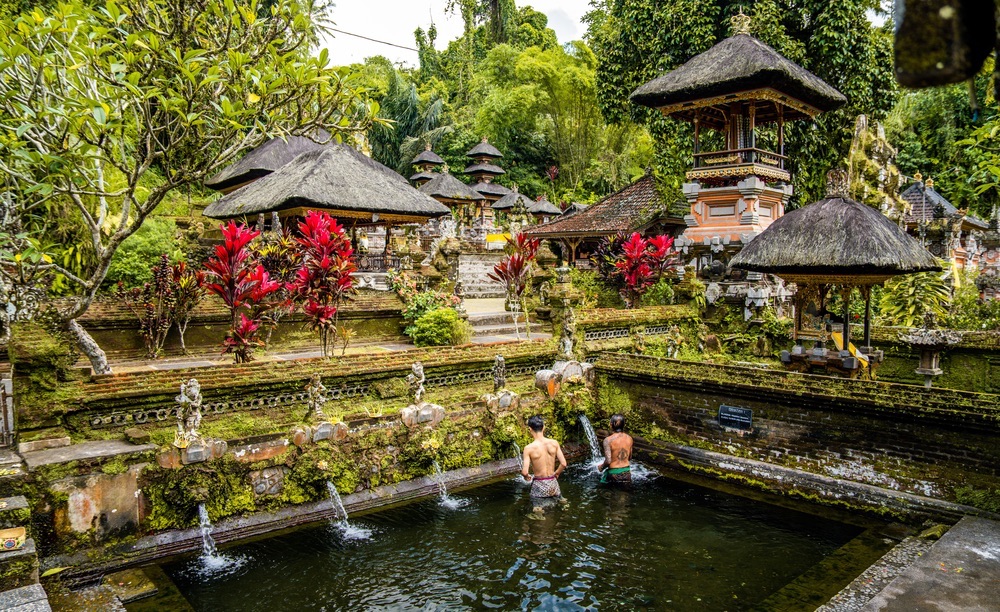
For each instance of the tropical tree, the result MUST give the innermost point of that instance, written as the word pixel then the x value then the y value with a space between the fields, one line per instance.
pixel 106 108
pixel 514 272
pixel 324 279
pixel 244 287
pixel 908 298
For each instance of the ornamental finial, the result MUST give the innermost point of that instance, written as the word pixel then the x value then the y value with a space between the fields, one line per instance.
pixel 836 184
pixel 740 23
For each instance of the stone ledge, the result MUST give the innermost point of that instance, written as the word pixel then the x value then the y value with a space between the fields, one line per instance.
pixel 31 598
pixel 101 449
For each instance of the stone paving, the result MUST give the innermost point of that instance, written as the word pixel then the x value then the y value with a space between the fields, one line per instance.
pixel 961 571
pixel 31 598
pixel 866 586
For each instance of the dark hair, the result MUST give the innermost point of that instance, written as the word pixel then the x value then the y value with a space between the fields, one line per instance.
pixel 617 423
pixel 536 423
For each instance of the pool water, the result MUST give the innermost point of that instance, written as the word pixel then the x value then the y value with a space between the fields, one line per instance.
pixel 663 545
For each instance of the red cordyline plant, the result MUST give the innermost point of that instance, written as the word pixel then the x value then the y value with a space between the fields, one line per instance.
pixel 514 271
pixel 324 279
pixel 244 288
pixel 640 265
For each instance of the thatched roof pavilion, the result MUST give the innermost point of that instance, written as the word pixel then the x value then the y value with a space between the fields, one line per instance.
pixel 425 163
pixel 833 242
pixel 484 150
pixel 337 179
pixel 739 68
pixel 491 191
pixel 835 238
pixel 264 160
pixel 543 208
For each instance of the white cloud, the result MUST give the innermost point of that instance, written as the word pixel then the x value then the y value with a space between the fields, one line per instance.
pixel 394 21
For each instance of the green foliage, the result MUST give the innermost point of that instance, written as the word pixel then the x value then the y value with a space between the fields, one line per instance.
pixel 907 298
pixel 660 294
pixel 936 135
pixel 596 292
pixel 132 263
pixel 968 310
pixel 102 94
pixel 441 327
pixel 984 499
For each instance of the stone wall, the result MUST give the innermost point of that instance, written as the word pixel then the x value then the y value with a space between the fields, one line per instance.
pixel 940 444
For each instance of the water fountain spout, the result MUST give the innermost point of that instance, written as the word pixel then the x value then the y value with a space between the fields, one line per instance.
pixel 447 501
pixel 596 456
pixel 339 519
pixel 208 548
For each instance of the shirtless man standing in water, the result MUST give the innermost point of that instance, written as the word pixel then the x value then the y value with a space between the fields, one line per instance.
pixel 616 468
pixel 540 457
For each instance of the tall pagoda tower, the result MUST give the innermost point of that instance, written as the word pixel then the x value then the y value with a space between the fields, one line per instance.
pixel 484 170
pixel 739 95
pixel 425 164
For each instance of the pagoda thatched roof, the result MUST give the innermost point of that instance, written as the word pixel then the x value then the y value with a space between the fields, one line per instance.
pixel 544 207
pixel 834 237
pixel 484 149
pixel 428 157
pixel 337 179
pixel 510 200
pixel 264 160
pixel 484 169
pixel 491 189
pixel 728 72
pixel 444 186
pixel 423 176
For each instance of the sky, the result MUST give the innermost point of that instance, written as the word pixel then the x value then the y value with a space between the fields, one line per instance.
pixel 395 20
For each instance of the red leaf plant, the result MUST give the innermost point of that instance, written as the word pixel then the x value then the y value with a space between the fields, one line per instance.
pixel 324 279
pixel 640 265
pixel 514 271
pixel 244 287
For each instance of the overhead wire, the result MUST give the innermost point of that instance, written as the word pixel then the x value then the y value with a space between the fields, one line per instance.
pixel 374 40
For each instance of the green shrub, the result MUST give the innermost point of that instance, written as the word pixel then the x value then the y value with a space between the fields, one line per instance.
pixel 441 327
pixel 660 294
pixel 596 293
pixel 133 262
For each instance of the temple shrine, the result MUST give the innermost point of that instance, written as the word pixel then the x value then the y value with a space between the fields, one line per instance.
pixel 948 233
pixel 739 95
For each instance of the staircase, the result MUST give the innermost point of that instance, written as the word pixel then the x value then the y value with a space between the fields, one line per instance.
pixel 473 270
pixel 496 324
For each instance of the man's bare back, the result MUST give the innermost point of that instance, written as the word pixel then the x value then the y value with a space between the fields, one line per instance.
pixel 540 458
pixel 617 450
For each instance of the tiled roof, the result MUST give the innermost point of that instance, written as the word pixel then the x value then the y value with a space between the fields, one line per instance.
pixel 622 211
pixel 923 200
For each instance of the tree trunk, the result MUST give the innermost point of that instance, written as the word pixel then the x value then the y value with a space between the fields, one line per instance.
pixel 90 348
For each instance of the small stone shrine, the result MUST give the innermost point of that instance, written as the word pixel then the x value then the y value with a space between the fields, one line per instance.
pixel 420 412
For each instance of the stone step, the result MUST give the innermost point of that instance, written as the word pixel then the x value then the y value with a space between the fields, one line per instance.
pixel 31 598
pixel 493 318
pixel 502 330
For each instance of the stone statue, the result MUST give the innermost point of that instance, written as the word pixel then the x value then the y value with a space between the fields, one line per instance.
pixel 416 380
pixel 568 330
pixel 188 413
pixel 543 293
pixel 499 373
pixel 317 396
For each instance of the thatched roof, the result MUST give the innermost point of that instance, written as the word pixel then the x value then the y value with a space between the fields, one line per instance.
pixel 834 237
pixel 544 207
pixel 491 189
pixel 575 207
pixel 739 64
pixel 629 209
pixel 444 186
pixel 422 176
pixel 924 200
pixel 337 179
pixel 264 160
pixel 511 199
pixel 484 169
pixel 484 149
pixel 428 157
